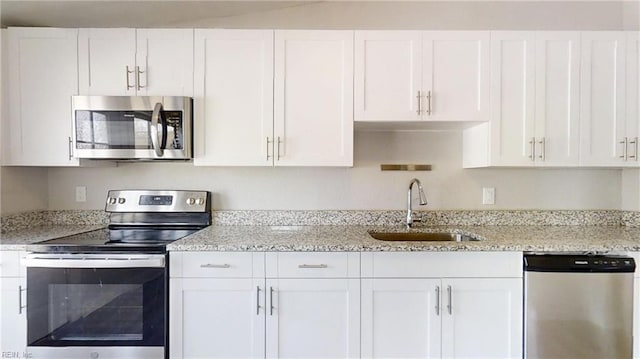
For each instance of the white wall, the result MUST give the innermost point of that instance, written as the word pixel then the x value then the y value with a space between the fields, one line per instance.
pixel 364 186
pixel 23 189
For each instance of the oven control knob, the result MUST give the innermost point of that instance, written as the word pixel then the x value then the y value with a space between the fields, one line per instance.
pixel 95 355
pixel 191 201
pixel 200 201
pixel 112 200
pixel 121 200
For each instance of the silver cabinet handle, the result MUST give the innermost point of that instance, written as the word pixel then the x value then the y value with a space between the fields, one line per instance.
pixel 268 143
pixel 279 142
pixel 449 306
pixel 129 86
pixel 543 145
pixel 313 266
pixel 208 265
pixel 437 300
pixel 70 149
pixel 428 103
pixel 258 300
pixel 419 97
pixel 532 143
pixel 270 300
pixel 624 149
pixel 634 142
pixel 138 72
pixel 20 306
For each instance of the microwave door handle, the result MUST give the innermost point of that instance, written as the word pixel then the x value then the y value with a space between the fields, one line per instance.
pixel 157 116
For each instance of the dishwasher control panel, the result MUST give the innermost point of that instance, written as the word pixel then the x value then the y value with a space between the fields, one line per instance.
pixel 578 263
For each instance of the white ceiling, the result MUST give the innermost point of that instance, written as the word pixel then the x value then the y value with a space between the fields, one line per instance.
pixel 128 13
pixel 334 14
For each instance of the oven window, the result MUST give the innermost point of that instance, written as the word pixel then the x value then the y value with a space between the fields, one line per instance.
pixel 96 306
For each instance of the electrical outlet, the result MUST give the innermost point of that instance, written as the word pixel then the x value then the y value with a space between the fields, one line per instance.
pixel 81 193
pixel 488 195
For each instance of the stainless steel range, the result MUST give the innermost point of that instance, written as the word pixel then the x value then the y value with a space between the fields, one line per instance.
pixel 104 294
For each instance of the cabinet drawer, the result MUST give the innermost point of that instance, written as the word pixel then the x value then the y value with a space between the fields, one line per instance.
pixel 9 264
pixel 313 265
pixel 216 264
pixel 442 265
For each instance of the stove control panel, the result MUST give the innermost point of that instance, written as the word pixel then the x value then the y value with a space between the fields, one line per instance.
pixel 158 201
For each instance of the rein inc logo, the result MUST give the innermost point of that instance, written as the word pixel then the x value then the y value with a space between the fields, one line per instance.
pixel 15 355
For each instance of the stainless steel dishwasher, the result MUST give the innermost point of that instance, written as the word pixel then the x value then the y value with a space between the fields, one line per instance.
pixel 578 306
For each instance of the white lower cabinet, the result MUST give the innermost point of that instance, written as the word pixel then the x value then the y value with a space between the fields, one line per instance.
pixel 313 318
pixel 13 323
pixel 216 318
pixel 223 306
pixel 427 305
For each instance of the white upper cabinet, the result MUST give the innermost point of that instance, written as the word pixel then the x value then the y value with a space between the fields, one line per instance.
pixel 164 62
pixel 413 76
pixel 43 75
pixel 265 99
pixel 557 131
pixel 128 62
pixel 455 75
pixel 604 137
pixel 633 98
pixel 388 75
pixel 234 97
pixel 534 102
pixel 313 98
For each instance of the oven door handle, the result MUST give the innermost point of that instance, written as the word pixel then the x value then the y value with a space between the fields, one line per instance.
pixel 85 261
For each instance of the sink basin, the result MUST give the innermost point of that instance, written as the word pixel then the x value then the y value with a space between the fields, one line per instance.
pixel 422 236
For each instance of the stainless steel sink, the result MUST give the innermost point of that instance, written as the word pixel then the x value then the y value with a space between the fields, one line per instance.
pixel 422 236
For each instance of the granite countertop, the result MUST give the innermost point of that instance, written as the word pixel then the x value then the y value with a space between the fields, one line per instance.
pixel 356 238
pixel 19 240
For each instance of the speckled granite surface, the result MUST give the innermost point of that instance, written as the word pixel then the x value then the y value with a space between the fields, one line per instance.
pixel 20 221
pixel 356 238
pixel 432 218
pixel 605 230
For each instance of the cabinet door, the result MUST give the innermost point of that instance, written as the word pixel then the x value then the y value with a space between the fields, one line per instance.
pixel 313 318
pixel 13 326
pixel 313 98
pixel 388 75
pixel 106 61
pixel 164 62
pixel 456 75
pixel 602 99
pixel 216 318
pixel 512 99
pixel 633 97
pixel 482 318
pixel 401 318
pixel 557 98
pixel 43 75
pixel 234 97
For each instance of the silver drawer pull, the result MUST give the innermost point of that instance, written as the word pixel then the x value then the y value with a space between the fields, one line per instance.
pixel 208 265
pixel 313 266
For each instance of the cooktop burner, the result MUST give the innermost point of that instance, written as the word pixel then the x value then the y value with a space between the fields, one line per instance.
pixel 117 240
pixel 140 221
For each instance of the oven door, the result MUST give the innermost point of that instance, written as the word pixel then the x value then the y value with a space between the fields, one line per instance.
pixel 87 304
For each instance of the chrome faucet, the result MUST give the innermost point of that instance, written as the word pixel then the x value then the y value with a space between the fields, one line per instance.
pixel 423 201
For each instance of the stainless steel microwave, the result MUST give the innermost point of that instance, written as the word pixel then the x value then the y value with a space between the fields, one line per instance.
pixel 132 127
